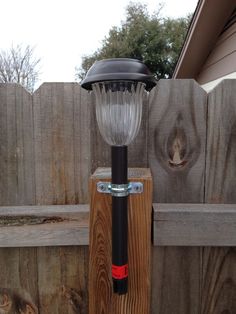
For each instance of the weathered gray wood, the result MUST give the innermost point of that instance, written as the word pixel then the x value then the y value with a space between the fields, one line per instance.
pixel 177 137
pixel 194 225
pixel 218 279
pixel 62 280
pixel 218 275
pixel 3 145
pixel 62 150
pixel 44 226
pixel 65 211
pixel 53 126
pixel 18 276
pixel 28 276
pixel 11 157
pixel 82 143
pixel 25 147
pixel 62 144
pixel 175 280
pixel 221 144
pixel 138 149
pixel 174 225
pixel 17 180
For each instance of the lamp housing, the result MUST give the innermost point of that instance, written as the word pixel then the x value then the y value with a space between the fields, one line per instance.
pixel 119 86
pixel 119 69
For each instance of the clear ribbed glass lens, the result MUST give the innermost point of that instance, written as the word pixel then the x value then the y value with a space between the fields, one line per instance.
pixel 119 110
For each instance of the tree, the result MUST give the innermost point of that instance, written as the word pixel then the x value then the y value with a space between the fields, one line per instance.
pixel 154 40
pixel 18 65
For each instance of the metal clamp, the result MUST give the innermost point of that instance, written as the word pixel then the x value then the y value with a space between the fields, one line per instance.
pixel 120 190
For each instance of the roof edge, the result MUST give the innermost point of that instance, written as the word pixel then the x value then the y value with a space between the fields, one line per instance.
pixel 202 35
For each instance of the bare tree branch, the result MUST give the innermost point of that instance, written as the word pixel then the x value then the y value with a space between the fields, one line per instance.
pixel 18 65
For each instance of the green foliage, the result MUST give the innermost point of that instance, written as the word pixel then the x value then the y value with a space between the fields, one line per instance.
pixel 154 40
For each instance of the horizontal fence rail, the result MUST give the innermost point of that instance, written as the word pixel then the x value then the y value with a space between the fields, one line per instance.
pixel 31 226
pixel 65 225
pixel 194 224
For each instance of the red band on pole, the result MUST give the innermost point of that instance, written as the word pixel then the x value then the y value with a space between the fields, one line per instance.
pixel 119 272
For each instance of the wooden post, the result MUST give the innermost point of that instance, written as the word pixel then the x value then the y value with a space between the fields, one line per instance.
pixel 101 297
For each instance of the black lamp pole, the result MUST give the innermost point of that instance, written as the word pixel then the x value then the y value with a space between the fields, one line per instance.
pixel 119 221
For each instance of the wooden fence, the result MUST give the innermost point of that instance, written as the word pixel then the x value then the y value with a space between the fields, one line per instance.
pixel 50 145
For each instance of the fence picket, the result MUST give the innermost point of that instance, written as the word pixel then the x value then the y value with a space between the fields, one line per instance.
pixel 218 274
pixel 177 135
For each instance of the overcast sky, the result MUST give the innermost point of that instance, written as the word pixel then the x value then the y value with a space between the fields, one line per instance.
pixel 64 30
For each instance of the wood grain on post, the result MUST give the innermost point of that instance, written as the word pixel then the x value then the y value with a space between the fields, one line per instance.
pixel 101 297
pixel 218 280
pixel 177 137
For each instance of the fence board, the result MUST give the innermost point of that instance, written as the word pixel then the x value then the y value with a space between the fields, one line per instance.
pixel 25 148
pixel 194 224
pixel 27 226
pixel 62 146
pixel 81 142
pixel 177 135
pixel 17 181
pixel 18 275
pixel 62 280
pixel 3 146
pixel 218 282
pixel 12 160
pixel 18 280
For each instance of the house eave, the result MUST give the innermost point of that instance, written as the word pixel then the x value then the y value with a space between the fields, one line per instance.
pixel 208 21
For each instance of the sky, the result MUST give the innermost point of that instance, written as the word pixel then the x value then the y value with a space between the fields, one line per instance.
pixel 62 31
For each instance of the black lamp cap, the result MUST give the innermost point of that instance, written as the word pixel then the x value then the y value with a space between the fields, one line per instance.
pixel 119 69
